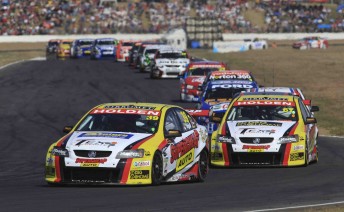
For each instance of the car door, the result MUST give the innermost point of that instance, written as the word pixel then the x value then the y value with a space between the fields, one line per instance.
pixel 309 128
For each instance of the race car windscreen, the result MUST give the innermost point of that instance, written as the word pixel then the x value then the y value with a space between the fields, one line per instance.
pixel 106 42
pixel 222 93
pixel 85 43
pixel 255 112
pixel 120 123
pixel 201 71
pixel 172 55
pixel 151 51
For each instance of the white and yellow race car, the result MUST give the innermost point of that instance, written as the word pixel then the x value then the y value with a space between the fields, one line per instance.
pixel 262 129
pixel 128 144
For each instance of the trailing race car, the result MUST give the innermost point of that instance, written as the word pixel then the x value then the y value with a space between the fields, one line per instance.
pixel 194 76
pixel 52 46
pixel 81 48
pixel 262 129
pixel 130 143
pixel 255 44
pixel 63 48
pixel 133 53
pixel 104 47
pixel 169 63
pixel 311 42
pixel 148 55
pixel 123 48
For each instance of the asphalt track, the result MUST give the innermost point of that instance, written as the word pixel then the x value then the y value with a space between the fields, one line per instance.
pixel 38 98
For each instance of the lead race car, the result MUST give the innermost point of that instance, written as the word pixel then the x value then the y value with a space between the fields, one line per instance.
pixel 129 144
pixel 262 129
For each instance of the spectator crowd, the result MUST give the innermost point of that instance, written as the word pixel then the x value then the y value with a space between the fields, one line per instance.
pixel 21 17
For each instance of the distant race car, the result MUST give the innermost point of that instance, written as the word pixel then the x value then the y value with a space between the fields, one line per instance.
pixel 148 55
pixel 104 48
pixel 194 76
pixel 63 48
pixel 130 144
pixel 81 48
pixel 123 48
pixel 169 63
pixel 311 42
pixel 262 129
pixel 133 54
pixel 139 56
pixel 255 43
pixel 51 47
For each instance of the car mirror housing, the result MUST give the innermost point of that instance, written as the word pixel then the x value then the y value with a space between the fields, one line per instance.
pixel 314 108
pixel 173 134
pixel 310 120
pixel 67 129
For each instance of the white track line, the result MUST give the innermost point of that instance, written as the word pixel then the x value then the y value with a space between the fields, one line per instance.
pixel 20 61
pixel 298 207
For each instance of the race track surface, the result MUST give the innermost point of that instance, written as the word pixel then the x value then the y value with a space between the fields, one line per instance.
pixel 39 98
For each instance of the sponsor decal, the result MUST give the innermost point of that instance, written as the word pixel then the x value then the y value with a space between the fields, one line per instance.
pixel 299 147
pixel 206 66
pixel 258 123
pixel 126 111
pixel 279 103
pixel 265 98
pixel 185 160
pixel 142 163
pixel 89 165
pixel 184 146
pixel 180 177
pixel 231 86
pixel 129 107
pixel 106 135
pixel 226 75
pixel 199 80
pixel 258 131
pixel 139 174
pixel 296 156
pixel 261 147
pixel 95 143
pixel 93 160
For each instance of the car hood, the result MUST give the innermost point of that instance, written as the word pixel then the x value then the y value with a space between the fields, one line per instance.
pixel 258 128
pixel 194 80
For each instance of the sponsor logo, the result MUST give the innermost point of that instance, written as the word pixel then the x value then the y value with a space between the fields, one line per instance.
pixel 265 98
pixel 258 131
pixel 105 135
pixel 206 66
pixel 256 140
pixel 299 147
pixel 126 111
pixel 129 107
pixel 184 146
pixel 185 160
pixel 199 80
pixel 296 156
pixel 141 163
pixel 264 103
pixel 231 86
pixel 89 165
pixel 139 174
pixel 258 123
pixel 261 147
pixel 87 160
pixel 95 142
pixel 92 154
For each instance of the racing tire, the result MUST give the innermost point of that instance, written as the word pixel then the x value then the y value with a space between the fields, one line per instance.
pixel 157 169
pixel 306 156
pixel 203 166
pixel 152 75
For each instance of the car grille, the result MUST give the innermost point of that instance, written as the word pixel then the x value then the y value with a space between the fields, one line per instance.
pixel 99 154
pixel 256 159
pixel 91 175
pixel 261 141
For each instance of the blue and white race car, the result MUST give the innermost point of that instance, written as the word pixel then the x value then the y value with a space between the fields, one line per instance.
pixel 81 48
pixel 104 47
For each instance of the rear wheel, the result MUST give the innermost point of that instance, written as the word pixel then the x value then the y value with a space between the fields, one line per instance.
pixel 306 155
pixel 203 166
pixel 157 169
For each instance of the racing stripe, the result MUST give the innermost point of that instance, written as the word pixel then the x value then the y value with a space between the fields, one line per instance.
pixel 162 144
pixel 126 170
pixel 58 163
pixel 225 154
pixel 57 169
pixel 288 146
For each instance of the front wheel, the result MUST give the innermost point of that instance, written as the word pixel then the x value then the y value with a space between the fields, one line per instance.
pixel 157 169
pixel 203 166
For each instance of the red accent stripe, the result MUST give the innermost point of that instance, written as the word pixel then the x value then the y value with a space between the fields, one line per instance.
pixel 223 130
pixel 225 154
pixel 57 169
pixel 129 161
pixel 286 154
pixel 292 131
pixel 162 144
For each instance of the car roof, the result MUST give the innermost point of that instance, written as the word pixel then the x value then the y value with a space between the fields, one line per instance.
pixel 265 96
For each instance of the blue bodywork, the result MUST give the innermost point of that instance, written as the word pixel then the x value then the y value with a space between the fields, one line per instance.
pixel 81 48
pixel 104 48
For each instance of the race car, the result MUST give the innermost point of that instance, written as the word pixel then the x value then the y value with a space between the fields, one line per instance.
pixel 130 144
pixel 133 54
pixel 123 48
pixel 148 54
pixel 221 92
pixel 194 76
pixel 63 48
pixel 311 42
pixel 52 46
pixel 81 48
pixel 169 63
pixel 140 56
pixel 265 129
pixel 104 48
pixel 255 43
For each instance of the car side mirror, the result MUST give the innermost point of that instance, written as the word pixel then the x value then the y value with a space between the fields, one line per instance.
pixel 310 120
pixel 67 129
pixel 173 134
pixel 314 109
